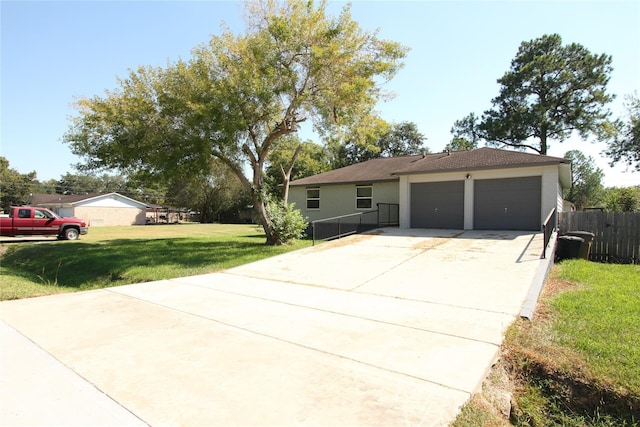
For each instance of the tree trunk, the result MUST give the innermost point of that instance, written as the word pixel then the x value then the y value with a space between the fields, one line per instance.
pixel 260 210
pixel 287 174
pixel 259 207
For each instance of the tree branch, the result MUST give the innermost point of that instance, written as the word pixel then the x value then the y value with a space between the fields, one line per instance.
pixel 287 175
pixel 234 167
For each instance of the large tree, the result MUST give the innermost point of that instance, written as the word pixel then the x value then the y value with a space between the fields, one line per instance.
pixel 586 188
pixel 15 187
pixel 387 140
pixel 550 91
pixel 465 134
pixel 625 144
pixel 622 199
pixel 239 95
pixel 216 195
pixel 293 159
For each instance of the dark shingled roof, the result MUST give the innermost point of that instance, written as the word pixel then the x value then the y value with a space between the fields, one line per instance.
pixel 388 169
pixel 380 169
pixel 71 199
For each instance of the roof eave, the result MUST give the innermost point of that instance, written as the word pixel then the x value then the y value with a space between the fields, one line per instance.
pixel 363 181
pixel 470 169
pixel 54 204
pixel 565 175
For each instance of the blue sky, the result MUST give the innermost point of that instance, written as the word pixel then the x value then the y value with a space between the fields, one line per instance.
pixel 54 52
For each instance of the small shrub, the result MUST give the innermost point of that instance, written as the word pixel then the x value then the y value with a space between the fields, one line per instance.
pixel 287 221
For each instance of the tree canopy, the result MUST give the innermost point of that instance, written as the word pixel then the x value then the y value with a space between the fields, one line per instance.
pixel 285 165
pixel 465 134
pixel 215 195
pixel 389 140
pixel 550 91
pixel 624 146
pixel 586 188
pixel 239 95
pixel 15 187
pixel 622 199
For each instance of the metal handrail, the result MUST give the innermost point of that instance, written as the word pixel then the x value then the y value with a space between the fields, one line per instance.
pixel 354 227
pixel 357 226
pixel 393 214
pixel 548 227
pixel 339 219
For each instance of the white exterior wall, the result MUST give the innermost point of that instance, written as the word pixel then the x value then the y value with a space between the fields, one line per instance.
pixel 340 199
pixel 549 174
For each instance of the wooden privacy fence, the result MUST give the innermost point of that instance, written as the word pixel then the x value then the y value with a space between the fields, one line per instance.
pixel 617 234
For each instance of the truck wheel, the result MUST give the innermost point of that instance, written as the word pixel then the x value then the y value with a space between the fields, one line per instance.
pixel 71 233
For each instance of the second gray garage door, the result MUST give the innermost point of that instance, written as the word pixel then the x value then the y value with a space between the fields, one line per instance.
pixel 437 205
pixel 507 204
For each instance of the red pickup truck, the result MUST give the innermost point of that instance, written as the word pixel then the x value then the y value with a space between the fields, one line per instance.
pixel 31 221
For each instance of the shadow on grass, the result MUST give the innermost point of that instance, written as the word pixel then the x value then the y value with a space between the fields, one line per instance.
pixel 117 262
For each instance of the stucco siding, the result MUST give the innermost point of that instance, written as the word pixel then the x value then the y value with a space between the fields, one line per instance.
pixel 340 199
pixel 108 216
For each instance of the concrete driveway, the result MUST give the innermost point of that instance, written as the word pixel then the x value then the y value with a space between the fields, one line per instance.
pixel 398 327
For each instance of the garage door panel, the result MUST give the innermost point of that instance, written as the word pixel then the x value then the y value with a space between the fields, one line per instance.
pixel 437 205
pixel 507 204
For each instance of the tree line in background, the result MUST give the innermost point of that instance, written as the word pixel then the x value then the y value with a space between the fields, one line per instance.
pixel 216 195
pixel 219 132
pixel 219 196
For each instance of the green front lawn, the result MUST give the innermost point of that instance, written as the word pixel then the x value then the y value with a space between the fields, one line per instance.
pixel 112 256
pixel 577 363
pixel 600 320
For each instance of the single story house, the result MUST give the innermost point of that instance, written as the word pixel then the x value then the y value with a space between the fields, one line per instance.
pixel 96 209
pixel 484 189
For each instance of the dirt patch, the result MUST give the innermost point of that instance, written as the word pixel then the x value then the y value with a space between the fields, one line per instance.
pixel 345 241
pixel 529 358
pixel 434 242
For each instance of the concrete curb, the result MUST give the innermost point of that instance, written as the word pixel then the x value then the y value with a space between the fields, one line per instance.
pixel 529 306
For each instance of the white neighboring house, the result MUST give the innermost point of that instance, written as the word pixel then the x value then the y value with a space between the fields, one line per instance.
pixel 483 189
pixel 96 209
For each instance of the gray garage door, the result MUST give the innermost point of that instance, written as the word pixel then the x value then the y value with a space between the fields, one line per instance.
pixel 507 204
pixel 437 205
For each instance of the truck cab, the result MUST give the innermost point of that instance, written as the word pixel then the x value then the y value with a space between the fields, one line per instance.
pixel 29 221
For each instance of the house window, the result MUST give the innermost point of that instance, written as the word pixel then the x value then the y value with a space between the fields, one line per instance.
pixel 364 197
pixel 313 198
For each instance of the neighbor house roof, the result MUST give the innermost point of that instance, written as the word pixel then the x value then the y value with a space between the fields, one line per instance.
pixel 69 200
pixel 389 169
